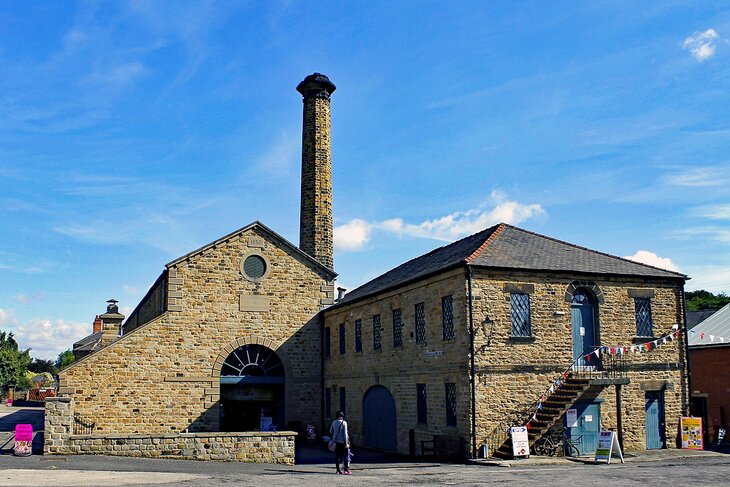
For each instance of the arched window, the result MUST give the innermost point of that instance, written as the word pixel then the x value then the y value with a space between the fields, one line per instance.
pixel 252 361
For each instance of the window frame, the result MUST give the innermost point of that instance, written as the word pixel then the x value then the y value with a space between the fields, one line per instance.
pixel 377 335
pixel 358 335
pixel 451 409
pixel 420 322
pixel 447 317
pixel 343 343
pixel 421 404
pixel 327 342
pixel 397 328
pixel 638 303
pixel 517 329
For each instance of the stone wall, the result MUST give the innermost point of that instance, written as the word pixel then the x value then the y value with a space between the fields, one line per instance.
pixel 164 377
pixel 511 373
pixel 58 423
pixel 434 362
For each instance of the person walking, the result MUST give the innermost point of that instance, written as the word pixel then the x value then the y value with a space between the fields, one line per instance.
pixel 338 432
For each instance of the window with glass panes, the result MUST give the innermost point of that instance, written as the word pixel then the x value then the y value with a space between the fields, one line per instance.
pixel 343 402
pixel 420 323
pixel 421 408
pixel 376 333
pixel 397 329
pixel 327 342
pixel 342 339
pixel 328 402
pixel 447 317
pixel 644 324
pixel 450 390
pixel 358 335
pixel 520 310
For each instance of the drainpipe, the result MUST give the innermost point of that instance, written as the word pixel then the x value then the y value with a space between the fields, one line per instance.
pixel 686 410
pixel 320 318
pixel 473 370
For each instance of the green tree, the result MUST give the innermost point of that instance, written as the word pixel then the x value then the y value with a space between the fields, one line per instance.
pixel 699 300
pixel 13 362
pixel 65 359
pixel 40 365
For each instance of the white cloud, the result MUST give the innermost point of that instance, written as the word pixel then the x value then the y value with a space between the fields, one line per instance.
pixel 652 259
pixel 280 156
pixel 714 278
pixel 354 235
pixel 7 318
pixel 716 212
pixel 127 289
pixel 718 234
pixel 47 338
pixel 25 298
pixel 697 177
pixel 702 44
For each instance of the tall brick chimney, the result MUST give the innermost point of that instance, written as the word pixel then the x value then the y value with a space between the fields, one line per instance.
pixel 315 222
pixel 111 321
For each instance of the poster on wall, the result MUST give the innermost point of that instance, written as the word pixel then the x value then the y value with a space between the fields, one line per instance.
pixel 520 441
pixel 572 418
pixel 691 429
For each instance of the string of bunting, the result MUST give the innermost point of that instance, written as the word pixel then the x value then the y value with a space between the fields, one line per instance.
pixel 712 338
pixel 613 351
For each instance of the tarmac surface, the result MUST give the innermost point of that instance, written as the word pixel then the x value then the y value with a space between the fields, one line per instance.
pixel 315 467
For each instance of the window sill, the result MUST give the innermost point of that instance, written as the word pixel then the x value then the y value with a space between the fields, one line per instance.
pixel 642 340
pixel 521 339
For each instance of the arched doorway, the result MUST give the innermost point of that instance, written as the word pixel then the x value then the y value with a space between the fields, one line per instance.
pixel 379 420
pixel 583 319
pixel 252 389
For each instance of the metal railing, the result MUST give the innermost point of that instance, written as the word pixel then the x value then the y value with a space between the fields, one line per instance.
pixel 608 364
pixel 83 426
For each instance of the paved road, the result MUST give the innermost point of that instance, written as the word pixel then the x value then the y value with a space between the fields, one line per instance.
pixel 110 471
pixel 10 416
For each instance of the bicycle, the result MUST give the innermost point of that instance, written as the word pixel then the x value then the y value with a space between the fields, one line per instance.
pixel 557 443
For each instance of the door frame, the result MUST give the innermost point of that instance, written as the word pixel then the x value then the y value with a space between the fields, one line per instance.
pixel 593 302
pixel 661 423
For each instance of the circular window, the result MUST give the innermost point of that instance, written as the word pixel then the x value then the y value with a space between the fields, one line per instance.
pixel 254 267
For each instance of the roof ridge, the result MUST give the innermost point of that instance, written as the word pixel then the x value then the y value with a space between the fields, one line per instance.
pixel 485 244
pixel 595 251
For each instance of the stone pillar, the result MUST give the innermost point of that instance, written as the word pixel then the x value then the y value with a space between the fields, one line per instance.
pixel 58 425
pixel 315 223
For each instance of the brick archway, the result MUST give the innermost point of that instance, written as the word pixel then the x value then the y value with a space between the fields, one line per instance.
pixel 247 340
pixel 590 285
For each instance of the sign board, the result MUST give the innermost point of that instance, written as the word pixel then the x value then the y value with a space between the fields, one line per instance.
pixel 23 440
pixel 266 422
pixel 311 432
pixel 691 433
pixel 607 446
pixel 520 441
pixel 571 418
pixel 434 353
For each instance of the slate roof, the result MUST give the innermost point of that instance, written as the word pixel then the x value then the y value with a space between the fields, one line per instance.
pixel 507 247
pixel 90 342
pixel 717 325
pixel 694 318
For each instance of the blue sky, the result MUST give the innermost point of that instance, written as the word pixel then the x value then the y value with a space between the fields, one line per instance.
pixel 132 133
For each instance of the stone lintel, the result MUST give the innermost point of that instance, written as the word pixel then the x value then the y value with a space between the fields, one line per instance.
pixel 513 287
pixel 188 379
pixel 641 293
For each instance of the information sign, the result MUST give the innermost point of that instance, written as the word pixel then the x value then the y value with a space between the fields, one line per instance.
pixel 23 440
pixel 691 433
pixel 572 418
pixel 520 441
pixel 607 446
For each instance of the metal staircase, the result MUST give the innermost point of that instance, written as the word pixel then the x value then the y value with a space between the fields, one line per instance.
pixel 576 382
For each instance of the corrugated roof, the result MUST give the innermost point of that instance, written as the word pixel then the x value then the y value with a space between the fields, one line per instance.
pixel 717 325
pixel 507 247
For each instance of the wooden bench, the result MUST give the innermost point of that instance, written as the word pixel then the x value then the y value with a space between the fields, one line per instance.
pixel 443 446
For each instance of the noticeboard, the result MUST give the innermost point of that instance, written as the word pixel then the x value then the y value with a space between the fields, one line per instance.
pixel 607 446
pixel 691 429
pixel 520 441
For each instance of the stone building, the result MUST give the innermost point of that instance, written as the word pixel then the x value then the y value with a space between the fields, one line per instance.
pixel 244 335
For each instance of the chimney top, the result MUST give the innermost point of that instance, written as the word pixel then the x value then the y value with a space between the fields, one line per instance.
pixel 112 306
pixel 316 84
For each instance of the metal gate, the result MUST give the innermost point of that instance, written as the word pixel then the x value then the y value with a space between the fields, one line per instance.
pixel 379 420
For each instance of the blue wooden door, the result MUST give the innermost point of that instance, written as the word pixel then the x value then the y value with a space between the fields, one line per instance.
pixel 654 421
pixel 584 434
pixel 584 330
pixel 379 420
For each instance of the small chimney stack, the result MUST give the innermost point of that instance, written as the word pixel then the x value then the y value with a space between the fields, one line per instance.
pixel 315 223
pixel 111 322
pixel 97 324
pixel 340 293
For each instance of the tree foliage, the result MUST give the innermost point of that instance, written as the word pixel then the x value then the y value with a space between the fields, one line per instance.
pixel 40 365
pixel 699 300
pixel 13 362
pixel 64 359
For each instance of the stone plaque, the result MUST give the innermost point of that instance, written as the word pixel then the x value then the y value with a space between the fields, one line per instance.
pixel 256 242
pixel 251 302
